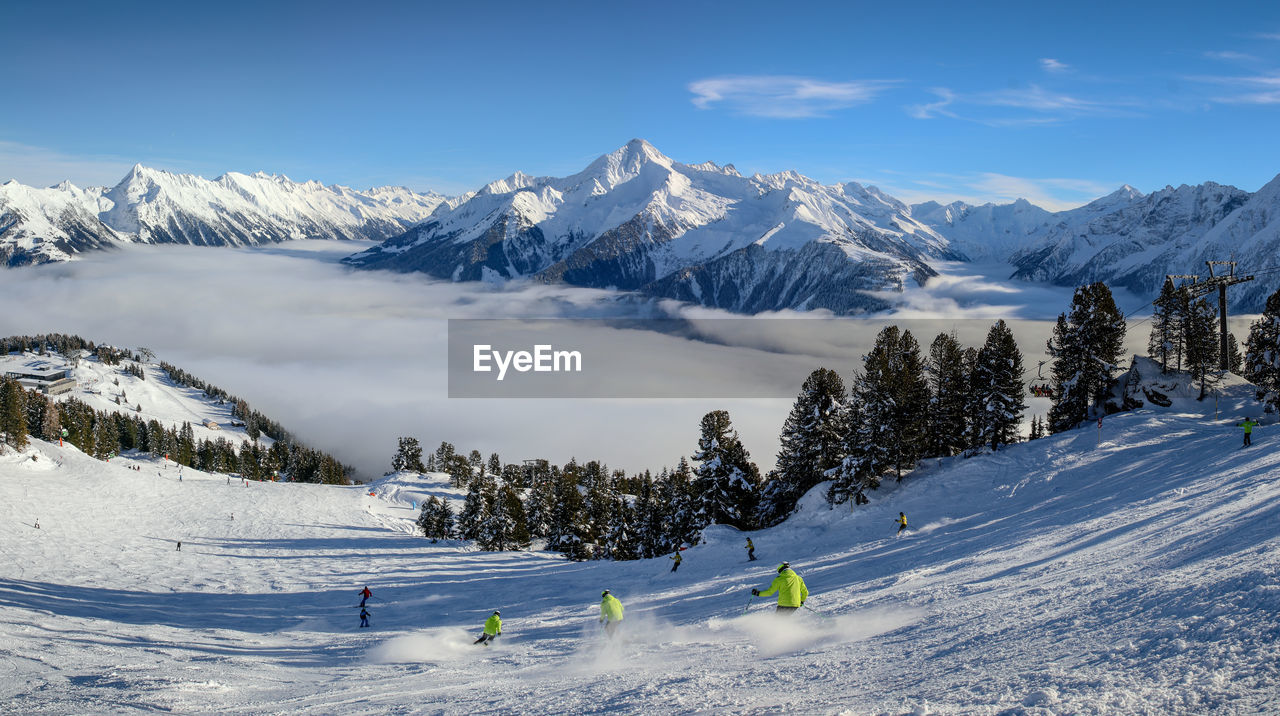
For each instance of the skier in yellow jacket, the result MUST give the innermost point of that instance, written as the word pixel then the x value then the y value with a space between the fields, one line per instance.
pixel 901 522
pixel 492 629
pixel 610 612
pixel 790 589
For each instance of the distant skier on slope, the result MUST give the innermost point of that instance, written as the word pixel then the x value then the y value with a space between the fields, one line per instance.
pixel 364 595
pixel 492 629
pixel 790 588
pixel 364 617
pixel 1249 424
pixel 676 559
pixel 610 612
pixel 751 551
pixel 901 522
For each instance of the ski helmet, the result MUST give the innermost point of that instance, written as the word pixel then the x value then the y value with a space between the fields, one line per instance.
pixel 605 593
pixel 783 566
pixel 497 613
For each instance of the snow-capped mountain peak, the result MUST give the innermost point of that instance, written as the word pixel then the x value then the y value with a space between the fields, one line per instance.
pixel 636 219
pixel 156 206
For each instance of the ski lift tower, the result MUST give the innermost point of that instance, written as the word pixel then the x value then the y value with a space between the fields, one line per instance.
pixel 1198 288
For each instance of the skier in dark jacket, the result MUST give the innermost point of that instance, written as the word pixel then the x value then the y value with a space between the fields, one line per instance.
pixel 364 617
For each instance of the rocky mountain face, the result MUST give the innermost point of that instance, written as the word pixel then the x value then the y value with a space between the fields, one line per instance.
pixel 635 219
pixel 153 207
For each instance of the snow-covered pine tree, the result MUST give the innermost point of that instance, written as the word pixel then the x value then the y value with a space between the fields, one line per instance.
pixel 677 492
pixel 948 387
pixel 1085 347
pixel 598 499
pixel 444 454
pixel 495 464
pixel 650 518
pixel 568 531
pixel 445 524
pixel 1164 343
pixel 727 483
pixel 503 527
pixel 812 441
pixel 538 503
pixel 475 508
pixel 408 456
pixel 425 516
pixel 996 385
pixel 860 468
pixel 893 398
pixel 1202 343
pixel 1262 354
pixel 620 541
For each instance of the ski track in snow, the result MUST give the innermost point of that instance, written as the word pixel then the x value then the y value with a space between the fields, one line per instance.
pixel 1136 574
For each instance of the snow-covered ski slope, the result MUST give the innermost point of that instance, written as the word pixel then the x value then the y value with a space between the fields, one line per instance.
pixel 99 386
pixel 1131 572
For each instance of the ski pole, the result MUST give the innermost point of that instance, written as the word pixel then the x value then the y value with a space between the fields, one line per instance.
pixel 815 611
pixel 749 601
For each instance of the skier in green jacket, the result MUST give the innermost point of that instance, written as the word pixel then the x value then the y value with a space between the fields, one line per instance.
pixel 1249 424
pixel 492 629
pixel 790 588
pixel 610 612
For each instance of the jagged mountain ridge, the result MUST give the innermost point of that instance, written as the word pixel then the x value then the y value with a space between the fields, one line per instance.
pixel 635 219
pixel 152 206
pixel 1127 239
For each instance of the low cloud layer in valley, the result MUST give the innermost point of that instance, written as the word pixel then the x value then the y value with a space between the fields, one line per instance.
pixel 351 360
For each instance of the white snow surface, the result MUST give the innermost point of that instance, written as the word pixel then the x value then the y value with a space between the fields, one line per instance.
pixel 99 385
pixel 1129 570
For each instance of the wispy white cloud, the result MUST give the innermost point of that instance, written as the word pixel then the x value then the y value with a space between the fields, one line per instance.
pixel 781 96
pixel 1038 106
pixel 1048 64
pixel 1254 89
pixel 1052 193
pixel 1230 56
pixel 930 110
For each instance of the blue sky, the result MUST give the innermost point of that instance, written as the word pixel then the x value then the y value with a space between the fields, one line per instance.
pixel 1058 103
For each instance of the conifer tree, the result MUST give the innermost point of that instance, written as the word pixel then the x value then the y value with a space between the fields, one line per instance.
pixel 538 504
pixel 568 531
pixel 676 492
pixel 475 508
pixel 997 388
pixel 727 482
pixel 1165 340
pixel 1085 347
pixel 598 502
pixel 812 441
pixel 13 413
pixel 620 541
pixel 408 456
pixel 948 388
pixel 1202 342
pixel 504 526
pixel 893 398
pixel 1262 354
